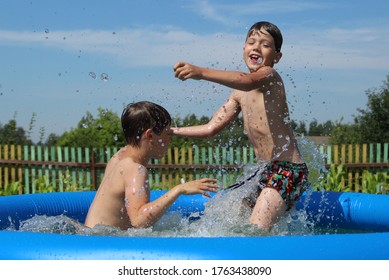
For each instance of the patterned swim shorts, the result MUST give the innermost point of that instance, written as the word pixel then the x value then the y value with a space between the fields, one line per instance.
pixel 288 178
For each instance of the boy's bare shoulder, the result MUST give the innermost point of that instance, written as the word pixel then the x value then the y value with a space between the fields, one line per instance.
pixel 124 161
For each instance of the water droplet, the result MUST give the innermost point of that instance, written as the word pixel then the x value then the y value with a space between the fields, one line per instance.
pixel 104 77
pixel 92 74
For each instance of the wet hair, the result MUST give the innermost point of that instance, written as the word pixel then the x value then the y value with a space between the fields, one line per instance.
pixel 271 28
pixel 140 116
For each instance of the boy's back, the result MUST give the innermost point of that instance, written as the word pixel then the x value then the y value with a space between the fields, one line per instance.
pixel 109 206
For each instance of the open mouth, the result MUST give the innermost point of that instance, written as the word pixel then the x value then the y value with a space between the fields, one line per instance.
pixel 255 59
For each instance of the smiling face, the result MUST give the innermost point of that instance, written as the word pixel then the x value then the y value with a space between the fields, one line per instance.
pixel 259 50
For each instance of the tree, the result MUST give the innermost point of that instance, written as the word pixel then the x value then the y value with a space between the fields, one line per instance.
pixel 373 122
pixel 52 139
pixel 327 128
pixel 316 129
pixel 299 128
pixel 10 133
pixel 103 131
pixel 344 134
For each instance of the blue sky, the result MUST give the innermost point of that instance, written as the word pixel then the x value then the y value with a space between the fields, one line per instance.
pixel 60 59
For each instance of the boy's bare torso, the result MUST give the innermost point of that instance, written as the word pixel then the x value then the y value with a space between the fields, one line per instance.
pixel 266 122
pixel 111 193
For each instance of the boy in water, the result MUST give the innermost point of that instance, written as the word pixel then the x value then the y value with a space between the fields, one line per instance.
pixel 260 96
pixel 123 197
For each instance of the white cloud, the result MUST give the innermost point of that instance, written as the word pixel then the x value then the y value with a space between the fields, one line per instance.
pixel 222 12
pixel 211 12
pixel 363 48
pixel 136 47
pixel 331 49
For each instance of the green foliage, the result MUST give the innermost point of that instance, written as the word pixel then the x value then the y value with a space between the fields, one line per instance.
pixel 103 131
pixel 377 183
pixel 11 189
pixel 316 129
pixel 52 140
pixel 344 133
pixel 372 123
pixel 43 185
pixel 333 180
pixel 299 128
pixel 70 186
pixel 11 133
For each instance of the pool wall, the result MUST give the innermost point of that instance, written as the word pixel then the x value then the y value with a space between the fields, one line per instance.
pixel 329 209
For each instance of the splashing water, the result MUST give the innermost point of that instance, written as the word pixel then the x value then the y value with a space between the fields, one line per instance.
pixel 218 218
pixel 104 77
pixel 92 75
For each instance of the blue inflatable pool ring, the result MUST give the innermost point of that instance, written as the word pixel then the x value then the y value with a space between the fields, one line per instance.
pixel 361 212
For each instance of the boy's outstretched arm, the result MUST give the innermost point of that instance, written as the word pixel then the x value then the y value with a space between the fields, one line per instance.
pixel 233 79
pixel 223 116
pixel 143 212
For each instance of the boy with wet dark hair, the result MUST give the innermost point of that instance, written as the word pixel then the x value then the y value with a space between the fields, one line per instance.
pixel 260 96
pixel 123 197
pixel 137 117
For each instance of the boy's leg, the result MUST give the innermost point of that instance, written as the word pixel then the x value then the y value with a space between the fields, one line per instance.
pixel 268 208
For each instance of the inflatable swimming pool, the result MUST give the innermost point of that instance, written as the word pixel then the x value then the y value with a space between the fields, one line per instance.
pixel 359 212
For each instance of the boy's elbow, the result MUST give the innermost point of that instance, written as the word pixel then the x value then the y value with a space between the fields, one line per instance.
pixel 211 131
pixel 143 220
pixel 140 224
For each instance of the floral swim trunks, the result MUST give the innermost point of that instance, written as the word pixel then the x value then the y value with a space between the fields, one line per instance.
pixel 288 178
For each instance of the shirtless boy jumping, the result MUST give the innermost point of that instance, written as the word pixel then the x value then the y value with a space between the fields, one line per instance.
pixel 260 96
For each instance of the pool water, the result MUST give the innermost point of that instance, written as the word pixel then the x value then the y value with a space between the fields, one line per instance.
pixel 219 218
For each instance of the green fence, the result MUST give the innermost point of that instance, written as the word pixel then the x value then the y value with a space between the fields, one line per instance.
pixel 31 169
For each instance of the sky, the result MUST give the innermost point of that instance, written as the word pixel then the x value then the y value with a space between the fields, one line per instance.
pixel 60 59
